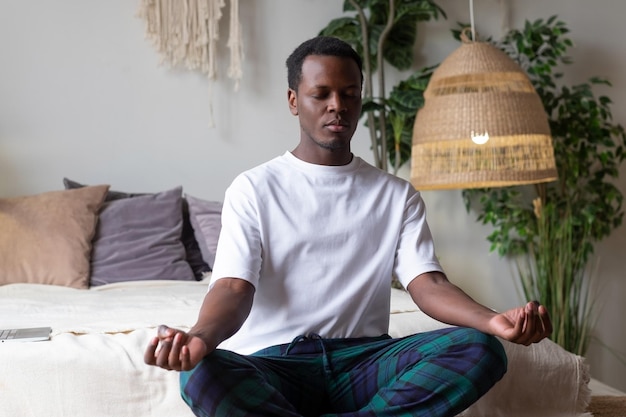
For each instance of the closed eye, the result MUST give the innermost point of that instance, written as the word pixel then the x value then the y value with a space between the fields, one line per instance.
pixel 323 95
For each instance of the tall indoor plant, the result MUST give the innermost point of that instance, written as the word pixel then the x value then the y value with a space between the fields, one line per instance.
pixel 551 228
pixel 384 31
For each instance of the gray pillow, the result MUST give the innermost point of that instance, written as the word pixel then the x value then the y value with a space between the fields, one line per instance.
pixel 206 220
pixel 110 196
pixel 139 239
pixel 192 250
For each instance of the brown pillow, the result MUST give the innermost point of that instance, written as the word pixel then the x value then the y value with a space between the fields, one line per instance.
pixel 46 238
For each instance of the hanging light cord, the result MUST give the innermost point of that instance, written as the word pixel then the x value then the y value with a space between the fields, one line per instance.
pixel 471 7
pixel 505 17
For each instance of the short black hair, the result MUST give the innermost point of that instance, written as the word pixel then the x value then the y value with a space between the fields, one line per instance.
pixel 320 45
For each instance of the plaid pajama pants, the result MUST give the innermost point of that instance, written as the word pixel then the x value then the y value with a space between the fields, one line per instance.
pixel 437 373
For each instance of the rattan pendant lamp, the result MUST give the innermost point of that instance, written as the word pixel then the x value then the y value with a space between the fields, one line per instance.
pixel 482 124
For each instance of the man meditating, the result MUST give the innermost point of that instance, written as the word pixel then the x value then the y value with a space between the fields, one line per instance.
pixel 295 322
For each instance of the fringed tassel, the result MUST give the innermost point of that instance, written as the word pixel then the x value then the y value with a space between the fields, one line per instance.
pixel 185 33
pixel 235 43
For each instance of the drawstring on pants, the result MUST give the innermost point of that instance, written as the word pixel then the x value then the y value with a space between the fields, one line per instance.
pixel 313 336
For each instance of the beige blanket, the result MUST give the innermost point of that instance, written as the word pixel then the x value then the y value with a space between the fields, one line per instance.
pixel 93 365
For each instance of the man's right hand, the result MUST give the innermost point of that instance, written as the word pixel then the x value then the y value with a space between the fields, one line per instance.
pixel 224 309
pixel 175 350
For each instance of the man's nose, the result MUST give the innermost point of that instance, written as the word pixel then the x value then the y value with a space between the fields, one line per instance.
pixel 336 103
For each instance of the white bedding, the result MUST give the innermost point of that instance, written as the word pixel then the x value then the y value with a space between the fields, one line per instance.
pixel 93 364
pixel 111 308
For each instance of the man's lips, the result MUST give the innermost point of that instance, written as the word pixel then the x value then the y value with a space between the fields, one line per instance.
pixel 337 126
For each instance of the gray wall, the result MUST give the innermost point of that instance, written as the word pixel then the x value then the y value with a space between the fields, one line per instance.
pixel 82 95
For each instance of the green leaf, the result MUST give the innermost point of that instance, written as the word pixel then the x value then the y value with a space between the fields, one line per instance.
pixel 371 105
pixel 346 28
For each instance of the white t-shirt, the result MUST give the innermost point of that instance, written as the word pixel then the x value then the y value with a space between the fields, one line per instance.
pixel 320 244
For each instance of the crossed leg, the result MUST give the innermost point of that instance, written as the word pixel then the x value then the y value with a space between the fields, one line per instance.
pixel 438 373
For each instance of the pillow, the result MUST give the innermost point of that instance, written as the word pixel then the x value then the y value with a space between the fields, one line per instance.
pixel 139 239
pixel 192 247
pixel 206 219
pixel 192 250
pixel 47 238
pixel 110 195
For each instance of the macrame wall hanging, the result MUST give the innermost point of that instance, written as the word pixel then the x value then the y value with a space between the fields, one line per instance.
pixel 185 34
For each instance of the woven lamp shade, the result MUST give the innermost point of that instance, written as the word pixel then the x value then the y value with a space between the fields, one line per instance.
pixel 479 90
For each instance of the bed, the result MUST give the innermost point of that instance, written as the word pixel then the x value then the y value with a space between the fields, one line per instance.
pixel 82 260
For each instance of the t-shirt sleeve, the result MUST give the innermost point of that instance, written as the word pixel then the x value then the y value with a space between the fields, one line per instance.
pixel 415 254
pixel 238 253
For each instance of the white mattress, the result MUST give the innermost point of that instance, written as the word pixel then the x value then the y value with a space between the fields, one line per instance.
pixel 93 364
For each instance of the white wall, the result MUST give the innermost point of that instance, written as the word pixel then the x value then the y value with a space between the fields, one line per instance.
pixel 82 95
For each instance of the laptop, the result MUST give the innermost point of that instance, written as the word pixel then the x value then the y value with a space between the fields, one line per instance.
pixel 34 334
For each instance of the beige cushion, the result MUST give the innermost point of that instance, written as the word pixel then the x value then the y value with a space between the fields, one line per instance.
pixel 46 238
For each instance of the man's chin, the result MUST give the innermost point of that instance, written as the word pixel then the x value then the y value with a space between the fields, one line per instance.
pixel 334 144
pixel 333 147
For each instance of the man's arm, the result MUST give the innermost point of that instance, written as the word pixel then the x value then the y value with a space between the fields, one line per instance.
pixel 444 301
pixel 224 309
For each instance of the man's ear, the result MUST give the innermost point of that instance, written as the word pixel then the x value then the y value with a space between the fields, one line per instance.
pixel 293 101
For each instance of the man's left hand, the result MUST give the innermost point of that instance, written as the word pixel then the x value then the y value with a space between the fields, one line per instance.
pixel 523 325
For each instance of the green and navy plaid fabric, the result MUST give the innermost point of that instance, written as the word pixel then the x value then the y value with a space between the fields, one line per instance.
pixel 438 373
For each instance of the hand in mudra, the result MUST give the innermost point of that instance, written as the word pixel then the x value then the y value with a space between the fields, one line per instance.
pixel 524 325
pixel 174 349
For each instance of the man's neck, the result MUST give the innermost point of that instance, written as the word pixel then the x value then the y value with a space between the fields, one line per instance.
pixel 321 156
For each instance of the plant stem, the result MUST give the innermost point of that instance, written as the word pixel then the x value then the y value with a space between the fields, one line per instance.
pixel 368 93
pixel 381 83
